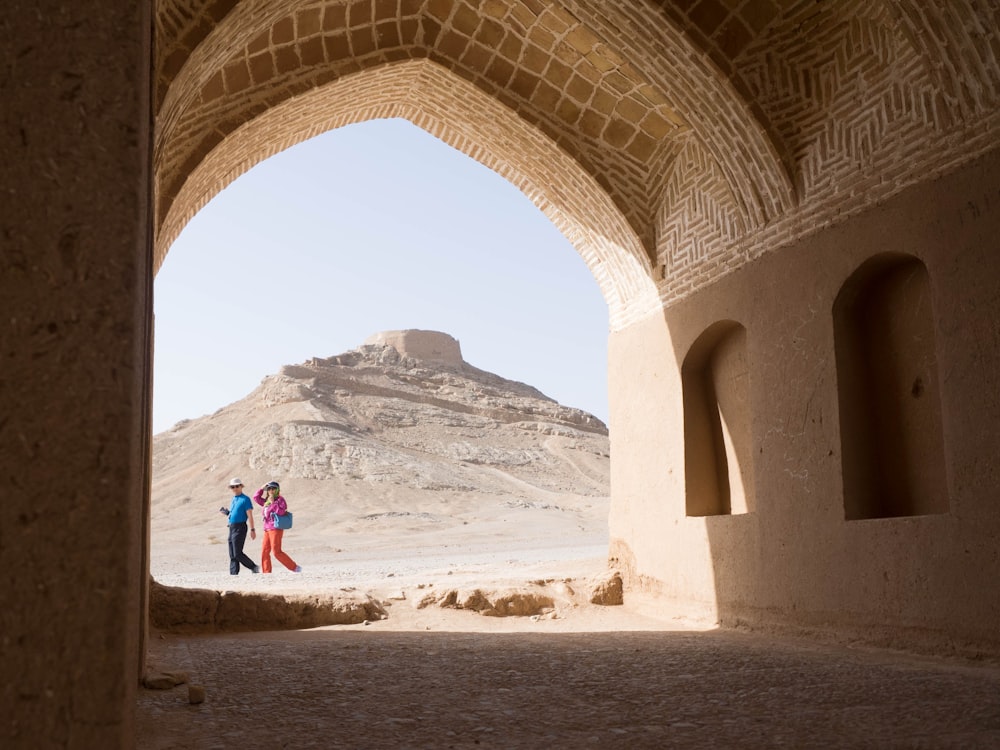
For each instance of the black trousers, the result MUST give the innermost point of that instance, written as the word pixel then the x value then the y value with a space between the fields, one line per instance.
pixel 237 538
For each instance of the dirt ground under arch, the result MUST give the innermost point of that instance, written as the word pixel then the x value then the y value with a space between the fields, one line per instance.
pixel 628 676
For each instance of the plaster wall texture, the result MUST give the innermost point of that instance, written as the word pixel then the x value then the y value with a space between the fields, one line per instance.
pixel 75 276
pixel 795 563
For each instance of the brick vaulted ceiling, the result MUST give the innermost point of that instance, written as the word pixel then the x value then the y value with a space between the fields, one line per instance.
pixel 670 141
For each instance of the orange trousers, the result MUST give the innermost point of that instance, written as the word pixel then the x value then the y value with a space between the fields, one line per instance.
pixel 272 544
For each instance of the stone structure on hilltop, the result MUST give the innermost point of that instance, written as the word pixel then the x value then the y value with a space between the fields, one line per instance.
pixel 790 208
pixel 432 346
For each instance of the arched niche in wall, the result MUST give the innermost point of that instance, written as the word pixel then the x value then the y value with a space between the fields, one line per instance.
pixel 718 457
pixel 887 380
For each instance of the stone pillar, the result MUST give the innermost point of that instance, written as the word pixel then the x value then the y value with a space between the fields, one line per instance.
pixel 75 276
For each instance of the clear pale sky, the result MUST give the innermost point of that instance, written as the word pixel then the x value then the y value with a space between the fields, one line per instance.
pixel 372 227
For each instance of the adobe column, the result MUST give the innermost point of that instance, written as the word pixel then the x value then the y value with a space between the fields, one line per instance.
pixel 74 351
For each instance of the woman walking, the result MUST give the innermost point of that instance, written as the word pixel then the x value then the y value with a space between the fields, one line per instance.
pixel 269 496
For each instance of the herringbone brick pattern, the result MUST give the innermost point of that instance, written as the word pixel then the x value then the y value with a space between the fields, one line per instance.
pixel 671 142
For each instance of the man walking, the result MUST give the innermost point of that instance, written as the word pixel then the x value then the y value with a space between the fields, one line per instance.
pixel 240 515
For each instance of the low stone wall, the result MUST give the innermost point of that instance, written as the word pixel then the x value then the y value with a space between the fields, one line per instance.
pixel 181 610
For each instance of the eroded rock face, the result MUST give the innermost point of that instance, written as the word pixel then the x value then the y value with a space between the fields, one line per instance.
pixel 355 414
pixel 608 591
pixel 375 419
pixel 506 603
pixel 536 599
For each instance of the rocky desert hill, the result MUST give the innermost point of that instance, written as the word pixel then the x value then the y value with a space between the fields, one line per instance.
pixel 395 456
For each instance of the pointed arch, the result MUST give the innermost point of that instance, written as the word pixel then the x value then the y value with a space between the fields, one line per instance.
pixel 464 117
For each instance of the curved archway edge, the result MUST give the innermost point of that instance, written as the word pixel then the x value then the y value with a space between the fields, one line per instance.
pixel 465 118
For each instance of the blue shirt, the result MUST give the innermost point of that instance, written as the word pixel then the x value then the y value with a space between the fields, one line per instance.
pixel 238 508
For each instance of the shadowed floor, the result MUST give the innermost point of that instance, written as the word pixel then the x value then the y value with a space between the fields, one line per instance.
pixel 371 688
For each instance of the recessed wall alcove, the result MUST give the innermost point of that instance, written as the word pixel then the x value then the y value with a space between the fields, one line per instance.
pixel 717 416
pixel 888 387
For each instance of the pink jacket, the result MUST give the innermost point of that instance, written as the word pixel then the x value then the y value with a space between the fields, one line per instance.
pixel 278 506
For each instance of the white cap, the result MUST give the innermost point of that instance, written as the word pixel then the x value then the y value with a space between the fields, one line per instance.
pixel 235 482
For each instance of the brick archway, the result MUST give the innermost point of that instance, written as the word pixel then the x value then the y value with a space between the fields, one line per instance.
pixel 465 118
pixel 598 108
pixel 716 133
pixel 675 143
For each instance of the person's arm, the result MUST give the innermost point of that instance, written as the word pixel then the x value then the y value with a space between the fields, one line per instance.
pixel 250 521
pixel 258 496
pixel 279 506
